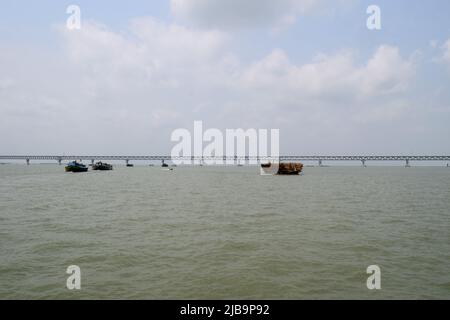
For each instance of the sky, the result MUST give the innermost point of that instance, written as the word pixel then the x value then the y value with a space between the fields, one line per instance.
pixel 135 71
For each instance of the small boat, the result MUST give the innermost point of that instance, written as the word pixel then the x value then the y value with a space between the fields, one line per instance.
pixel 290 168
pixel 269 169
pixel 102 166
pixel 130 165
pixel 266 165
pixel 281 168
pixel 164 165
pixel 75 166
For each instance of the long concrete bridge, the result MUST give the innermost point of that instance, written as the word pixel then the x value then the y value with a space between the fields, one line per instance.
pixel 319 158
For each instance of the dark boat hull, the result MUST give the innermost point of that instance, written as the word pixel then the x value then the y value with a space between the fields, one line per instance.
pixel 102 166
pixel 296 172
pixel 76 169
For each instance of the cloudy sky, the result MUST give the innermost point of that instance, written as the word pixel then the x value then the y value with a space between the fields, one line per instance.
pixel 138 70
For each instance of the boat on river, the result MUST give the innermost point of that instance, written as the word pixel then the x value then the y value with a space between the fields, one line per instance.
pixel 75 166
pixel 290 168
pixel 102 166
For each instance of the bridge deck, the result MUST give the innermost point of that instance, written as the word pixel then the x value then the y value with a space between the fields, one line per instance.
pixel 242 158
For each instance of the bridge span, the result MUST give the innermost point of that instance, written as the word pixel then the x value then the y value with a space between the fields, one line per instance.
pixel 319 158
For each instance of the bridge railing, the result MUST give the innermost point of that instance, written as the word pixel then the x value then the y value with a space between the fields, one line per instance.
pixel 241 158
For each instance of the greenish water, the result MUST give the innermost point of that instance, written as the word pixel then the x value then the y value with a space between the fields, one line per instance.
pixel 217 233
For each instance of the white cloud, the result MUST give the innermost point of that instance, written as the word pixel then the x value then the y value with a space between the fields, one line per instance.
pixel 386 72
pixel 140 84
pixel 238 13
pixel 446 55
pixel 151 50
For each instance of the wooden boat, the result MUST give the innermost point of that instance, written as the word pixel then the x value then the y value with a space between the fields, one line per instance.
pixel 290 168
pixel 281 168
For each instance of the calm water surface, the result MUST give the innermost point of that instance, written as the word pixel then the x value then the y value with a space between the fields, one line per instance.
pixel 218 233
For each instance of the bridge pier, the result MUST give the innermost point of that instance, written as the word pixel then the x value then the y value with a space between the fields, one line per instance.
pixel 59 161
pixel 92 161
pixel 127 161
pixel 28 162
pixel 407 164
pixel 363 161
pixel 320 162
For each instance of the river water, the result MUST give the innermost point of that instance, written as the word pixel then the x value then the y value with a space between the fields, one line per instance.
pixel 224 232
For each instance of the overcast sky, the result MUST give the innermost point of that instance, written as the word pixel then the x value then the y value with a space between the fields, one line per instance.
pixel 137 70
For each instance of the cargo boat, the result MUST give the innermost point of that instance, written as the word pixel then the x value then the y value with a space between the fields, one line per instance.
pixel 290 168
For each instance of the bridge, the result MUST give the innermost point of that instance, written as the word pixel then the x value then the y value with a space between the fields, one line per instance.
pixel 237 159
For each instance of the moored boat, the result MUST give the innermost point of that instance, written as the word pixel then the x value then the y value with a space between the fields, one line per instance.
pixel 268 169
pixel 291 168
pixel 281 168
pixel 75 166
pixel 102 166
